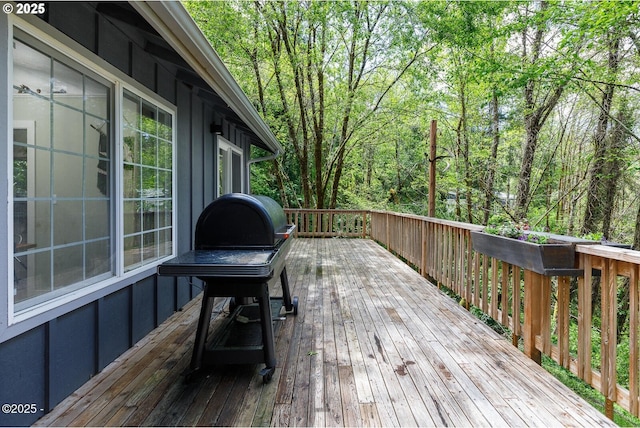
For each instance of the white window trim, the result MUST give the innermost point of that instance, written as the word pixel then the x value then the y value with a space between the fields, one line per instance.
pixel 230 148
pixel 13 324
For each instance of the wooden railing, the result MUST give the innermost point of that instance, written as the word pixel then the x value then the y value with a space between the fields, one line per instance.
pixel 536 309
pixel 328 223
pixel 619 272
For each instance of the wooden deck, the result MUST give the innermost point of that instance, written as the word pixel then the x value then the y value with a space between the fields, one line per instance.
pixel 374 344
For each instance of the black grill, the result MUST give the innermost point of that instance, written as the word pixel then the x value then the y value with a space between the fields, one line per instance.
pixel 241 242
pixel 240 221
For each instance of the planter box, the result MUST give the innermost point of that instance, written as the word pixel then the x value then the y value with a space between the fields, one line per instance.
pixel 557 258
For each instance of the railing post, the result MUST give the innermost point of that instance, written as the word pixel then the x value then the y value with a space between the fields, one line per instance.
pixel 534 303
pixel 423 248
pixel 387 233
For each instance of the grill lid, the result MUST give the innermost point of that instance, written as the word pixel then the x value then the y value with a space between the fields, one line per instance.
pixel 238 220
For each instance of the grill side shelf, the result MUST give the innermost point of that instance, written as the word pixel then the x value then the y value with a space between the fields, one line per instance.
pixel 220 263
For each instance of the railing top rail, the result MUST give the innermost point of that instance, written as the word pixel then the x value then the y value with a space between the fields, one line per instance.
pixel 315 210
pixel 620 254
pixel 461 225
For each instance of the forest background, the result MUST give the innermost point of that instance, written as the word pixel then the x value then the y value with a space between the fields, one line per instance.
pixel 536 103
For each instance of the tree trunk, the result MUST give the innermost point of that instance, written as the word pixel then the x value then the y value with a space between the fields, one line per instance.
pixel 493 158
pixel 299 147
pixel 280 179
pixel 533 124
pixel 353 83
pixel 613 170
pixel 398 169
pixel 298 79
pixel 595 191
pixel 317 108
pixel 465 152
pixel 535 115
pixel 524 179
pixel 336 177
pixel 595 196
pixel 636 235
pixel 594 212
pixel 369 157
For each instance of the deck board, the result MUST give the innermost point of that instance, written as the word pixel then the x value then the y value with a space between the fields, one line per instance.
pixel 374 344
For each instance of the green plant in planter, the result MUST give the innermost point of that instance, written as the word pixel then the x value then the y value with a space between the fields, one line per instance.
pixel 593 236
pixel 499 225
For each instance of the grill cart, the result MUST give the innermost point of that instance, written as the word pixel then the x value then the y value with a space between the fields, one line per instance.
pixel 241 242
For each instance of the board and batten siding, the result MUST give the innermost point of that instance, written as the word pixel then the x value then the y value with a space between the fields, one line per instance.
pixel 48 361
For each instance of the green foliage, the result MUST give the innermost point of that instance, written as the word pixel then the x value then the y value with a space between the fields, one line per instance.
pixel 592 396
pixel 593 236
pixel 316 73
pixel 499 225
pixel 460 59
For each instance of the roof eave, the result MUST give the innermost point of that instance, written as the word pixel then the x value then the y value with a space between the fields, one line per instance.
pixel 172 21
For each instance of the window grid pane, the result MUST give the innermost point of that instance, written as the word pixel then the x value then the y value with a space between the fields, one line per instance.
pixel 147 181
pixel 61 167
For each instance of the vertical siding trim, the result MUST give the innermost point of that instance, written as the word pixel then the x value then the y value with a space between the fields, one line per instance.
pixel 156 303
pixel 131 319
pixel 98 309
pixel 47 367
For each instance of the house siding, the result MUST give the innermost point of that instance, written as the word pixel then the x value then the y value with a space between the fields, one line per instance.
pixel 23 366
pixel 49 361
pixel 72 352
pixel 114 326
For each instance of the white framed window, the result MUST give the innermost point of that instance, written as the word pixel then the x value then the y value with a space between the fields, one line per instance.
pixel 230 162
pixel 93 176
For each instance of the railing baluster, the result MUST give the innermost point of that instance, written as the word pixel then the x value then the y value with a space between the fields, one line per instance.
pixel 609 289
pixel 504 293
pixel 533 309
pixel 584 322
pixel 634 307
pixel 515 306
pixel 563 320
